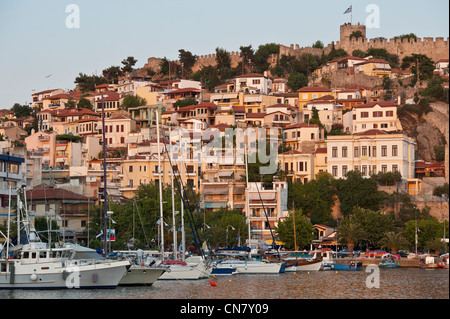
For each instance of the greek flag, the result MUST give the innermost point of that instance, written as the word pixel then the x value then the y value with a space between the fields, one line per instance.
pixel 348 10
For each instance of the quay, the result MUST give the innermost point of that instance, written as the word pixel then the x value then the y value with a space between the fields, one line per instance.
pixel 410 263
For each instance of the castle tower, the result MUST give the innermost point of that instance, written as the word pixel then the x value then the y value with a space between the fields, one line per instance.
pixel 347 29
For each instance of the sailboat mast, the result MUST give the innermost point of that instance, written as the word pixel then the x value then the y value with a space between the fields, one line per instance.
pixel 174 229
pixel 9 222
pixel 105 194
pixel 247 203
pixel 183 237
pixel 160 187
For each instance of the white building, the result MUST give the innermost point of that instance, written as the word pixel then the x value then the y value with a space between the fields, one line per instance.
pixel 371 152
pixel 253 83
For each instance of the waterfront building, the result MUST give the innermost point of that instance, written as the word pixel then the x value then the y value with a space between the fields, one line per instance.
pixel 371 152
pixel 307 94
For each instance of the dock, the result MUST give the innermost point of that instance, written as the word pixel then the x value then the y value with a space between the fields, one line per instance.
pixel 404 262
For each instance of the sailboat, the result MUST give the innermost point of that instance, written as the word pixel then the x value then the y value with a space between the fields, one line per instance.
pixel 36 265
pixel 192 268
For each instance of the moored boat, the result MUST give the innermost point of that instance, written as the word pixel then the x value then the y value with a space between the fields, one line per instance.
pixel 389 261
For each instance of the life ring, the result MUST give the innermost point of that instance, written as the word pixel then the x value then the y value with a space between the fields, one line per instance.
pixel 352 265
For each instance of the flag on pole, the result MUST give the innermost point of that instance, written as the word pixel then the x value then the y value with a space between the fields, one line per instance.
pixel 348 10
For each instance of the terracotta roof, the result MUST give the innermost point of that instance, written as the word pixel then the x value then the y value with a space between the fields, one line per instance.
pixel 45 192
pixel 347 58
pixel 373 61
pixel 372 132
pixel 291 152
pixel 321 150
pixel 372 104
pixel 239 108
pixel 250 75
pixel 313 89
pixel 73 96
pixel 210 106
pixel 69 112
pixel 184 90
pixel 300 125
pixel 255 115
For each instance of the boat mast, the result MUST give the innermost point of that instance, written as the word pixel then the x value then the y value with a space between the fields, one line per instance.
pixel 174 229
pixel 247 203
pixel 104 175
pixel 9 220
pixel 183 236
pixel 160 187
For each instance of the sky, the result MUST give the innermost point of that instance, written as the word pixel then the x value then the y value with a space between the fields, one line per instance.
pixel 38 51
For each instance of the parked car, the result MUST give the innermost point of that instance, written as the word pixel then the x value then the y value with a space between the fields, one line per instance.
pixel 373 253
pixel 403 253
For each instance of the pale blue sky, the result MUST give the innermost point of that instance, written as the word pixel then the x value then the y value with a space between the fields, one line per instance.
pixel 35 42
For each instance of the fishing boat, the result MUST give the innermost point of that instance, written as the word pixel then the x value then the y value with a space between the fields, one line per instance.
pixel 302 261
pixel 429 262
pixel 444 261
pixel 389 261
pixel 328 262
pixel 353 265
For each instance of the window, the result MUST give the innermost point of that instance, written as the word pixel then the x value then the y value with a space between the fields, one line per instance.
pixel 383 150
pixel 334 152
pixel 356 151
pixel 334 171
pixel 301 167
pixel 364 114
pixel 374 169
pixel 344 170
pixel 389 113
pixel 374 151
pixel 395 168
pixel 364 170
pixel 394 150
pixel 383 125
pixel 377 114
pixel 122 140
pixel 364 151
pixel 384 168
pixel 344 151
pixel 130 169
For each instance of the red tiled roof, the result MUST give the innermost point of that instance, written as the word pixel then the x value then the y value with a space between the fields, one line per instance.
pixel 255 115
pixel 372 132
pixel 184 90
pixel 239 108
pixel 313 89
pixel 321 150
pixel 300 125
pixel 45 192
pixel 372 104
pixel 250 75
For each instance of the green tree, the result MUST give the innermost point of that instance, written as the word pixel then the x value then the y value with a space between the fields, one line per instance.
pixel 297 81
pixel 427 230
pixel 187 60
pixel 223 59
pixel 85 104
pixel 208 76
pixel 388 178
pixel 112 74
pixel 21 110
pixel 304 230
pixel 247 55
pixel 375 225
pixel 357 191
pixel 70 104
pixel 441 191
pixel 393 242
pixel 185 102
pixel 128 64
pixel 318 45
pixel 262 54
pixel 426 66
pixel 356 35
pixel 132 101
pixel 87 83
pixel 436 245
pixel 350 232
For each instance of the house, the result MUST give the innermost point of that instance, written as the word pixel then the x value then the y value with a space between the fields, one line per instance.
pixel 370 152
pixel 279 86
pixel 37 98
pixel 57 120
pixel 441 67
pixel 204 112
pixel 298 166
pixel 320 160
pixel 59 101
pixel 181 94
pixel 12 171
pixel 43 142
pixel 374 115
pixel 253 83
pixel 301 136
pixel 307 94
pixel 70 210
pixel 346 63
pixel 117 128
pixel 110 99
pixel 374 67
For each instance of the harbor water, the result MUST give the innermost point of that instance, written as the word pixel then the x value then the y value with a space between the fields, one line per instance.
pixel 395 283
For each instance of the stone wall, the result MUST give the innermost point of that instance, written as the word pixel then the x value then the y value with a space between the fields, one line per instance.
pixel 437 209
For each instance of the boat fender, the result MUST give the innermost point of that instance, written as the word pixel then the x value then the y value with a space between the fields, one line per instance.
pixel 94 278
pixel 33 277
pixel 332 266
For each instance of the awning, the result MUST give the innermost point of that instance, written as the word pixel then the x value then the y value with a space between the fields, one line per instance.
pixel 277 242
pixel 264 196
pixel 60 160
pixel 61 148
pixel 222 190
pixel 225 173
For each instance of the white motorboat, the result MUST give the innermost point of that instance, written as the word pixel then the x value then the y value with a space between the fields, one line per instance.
pixel 37 266
pixel 250 266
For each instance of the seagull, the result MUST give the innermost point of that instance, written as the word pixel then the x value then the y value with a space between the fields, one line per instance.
pixel 48 76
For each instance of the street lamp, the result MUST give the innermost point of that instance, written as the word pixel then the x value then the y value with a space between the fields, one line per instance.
pixel 227 233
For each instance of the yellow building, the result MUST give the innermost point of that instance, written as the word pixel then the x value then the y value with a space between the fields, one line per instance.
pixel 307 94
pixel 374 67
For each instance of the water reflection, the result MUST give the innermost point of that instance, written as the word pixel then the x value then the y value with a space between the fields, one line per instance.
pixel 407 283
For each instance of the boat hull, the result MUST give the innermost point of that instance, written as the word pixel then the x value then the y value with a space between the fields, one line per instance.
pixel 54 276
pixel 308 266
pixel 141 276
pixel 253 267
pixel 187 272
pixel 350 267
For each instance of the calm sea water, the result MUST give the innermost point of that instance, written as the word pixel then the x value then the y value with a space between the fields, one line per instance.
pixel 400 283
